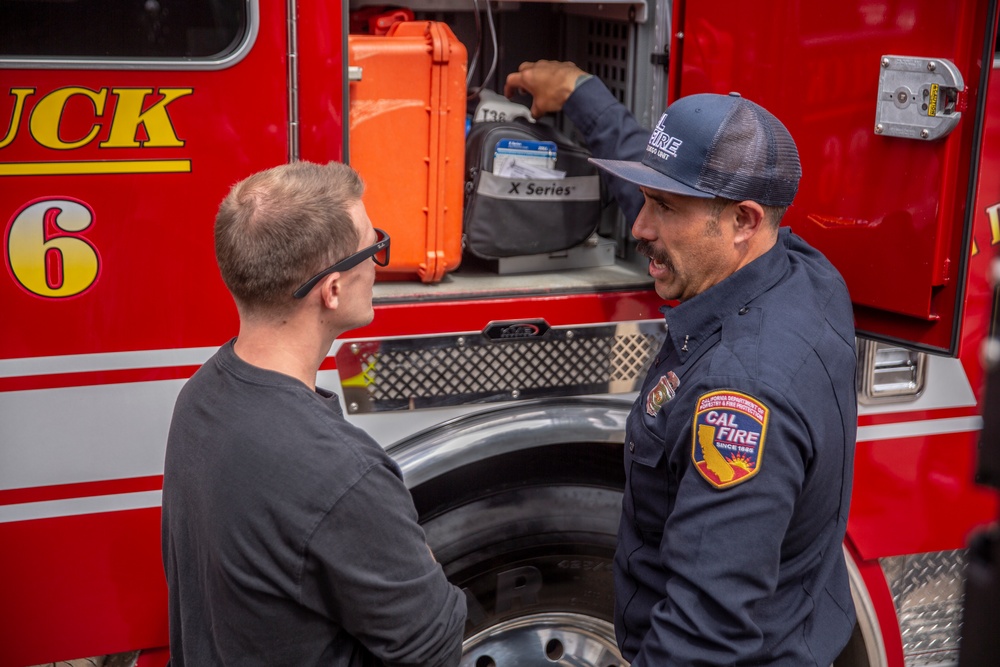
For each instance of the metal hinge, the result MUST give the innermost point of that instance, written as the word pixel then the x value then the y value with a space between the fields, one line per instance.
pixel 918 98
pixel 661 59
pixel 889 373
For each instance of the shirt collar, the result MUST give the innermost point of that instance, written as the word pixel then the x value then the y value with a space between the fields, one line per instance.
pixel 691 322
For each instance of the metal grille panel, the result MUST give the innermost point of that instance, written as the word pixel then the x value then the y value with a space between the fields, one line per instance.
pixel 414 373
pixel 928 590
pixel 607 55
pixel 600 46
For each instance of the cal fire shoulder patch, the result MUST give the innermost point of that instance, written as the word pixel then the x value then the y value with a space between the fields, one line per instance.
pixel 728 439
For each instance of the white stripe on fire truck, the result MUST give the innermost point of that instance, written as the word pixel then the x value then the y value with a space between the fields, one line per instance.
pixel 919 428
pixel 109 361
pixel 50 509
pixel 145 499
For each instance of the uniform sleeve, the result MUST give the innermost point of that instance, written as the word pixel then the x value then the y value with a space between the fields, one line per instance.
pixel 722 545
pixel 610 132
pixel 379 580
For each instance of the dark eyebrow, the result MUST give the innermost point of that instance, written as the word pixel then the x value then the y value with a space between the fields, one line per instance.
pixel 657 196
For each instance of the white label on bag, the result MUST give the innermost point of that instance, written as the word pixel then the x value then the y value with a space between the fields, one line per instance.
pixel 530 154
pixel 571 188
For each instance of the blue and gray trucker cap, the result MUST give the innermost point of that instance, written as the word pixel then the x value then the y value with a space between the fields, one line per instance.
pixel 712 145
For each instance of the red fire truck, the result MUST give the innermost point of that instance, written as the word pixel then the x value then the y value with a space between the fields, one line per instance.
pixel 501 388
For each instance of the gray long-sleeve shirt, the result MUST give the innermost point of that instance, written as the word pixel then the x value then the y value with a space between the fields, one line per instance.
pixel 289 537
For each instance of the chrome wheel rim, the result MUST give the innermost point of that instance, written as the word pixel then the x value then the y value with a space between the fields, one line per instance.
pixel 544 639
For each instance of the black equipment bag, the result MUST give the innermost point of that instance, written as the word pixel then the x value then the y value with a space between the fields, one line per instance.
pixel 508 217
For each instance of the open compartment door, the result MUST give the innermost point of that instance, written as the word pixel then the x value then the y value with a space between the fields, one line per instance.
pixel 885 101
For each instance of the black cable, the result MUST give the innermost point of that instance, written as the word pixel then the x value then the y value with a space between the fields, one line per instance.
pixel 496 55
pixel 475 52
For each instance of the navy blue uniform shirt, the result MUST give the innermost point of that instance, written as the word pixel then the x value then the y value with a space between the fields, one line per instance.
pixel 739 455
pixel 611 132
pixel 738 459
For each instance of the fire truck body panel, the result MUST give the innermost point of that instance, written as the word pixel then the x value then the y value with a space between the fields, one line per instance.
pixel 110 175
pixel 867 187
pixel 126 146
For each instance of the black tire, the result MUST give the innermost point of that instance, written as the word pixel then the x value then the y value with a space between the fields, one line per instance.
pixel 535 563
pixel 855 654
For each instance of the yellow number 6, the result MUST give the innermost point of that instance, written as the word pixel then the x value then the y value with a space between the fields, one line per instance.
pixel 45 253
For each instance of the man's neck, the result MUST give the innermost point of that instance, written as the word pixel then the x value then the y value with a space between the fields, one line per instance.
pixel 758 246
pixel 282 348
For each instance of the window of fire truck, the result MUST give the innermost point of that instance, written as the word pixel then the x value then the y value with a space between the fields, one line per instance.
pixel 122 28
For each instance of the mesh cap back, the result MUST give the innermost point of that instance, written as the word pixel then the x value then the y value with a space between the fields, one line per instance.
pixel 752 157
pixel 717 146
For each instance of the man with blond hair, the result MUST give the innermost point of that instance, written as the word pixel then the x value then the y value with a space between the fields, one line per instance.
pixel 289 537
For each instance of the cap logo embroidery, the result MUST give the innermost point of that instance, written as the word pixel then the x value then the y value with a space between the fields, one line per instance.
pixel 663 392
pixel 661 144
pixel 728 437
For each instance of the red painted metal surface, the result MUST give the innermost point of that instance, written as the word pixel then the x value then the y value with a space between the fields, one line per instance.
pixel 919 494
pixel 158 286
pixel 98 577
pixel 322 66
pixel 450 316
pixel 915 495
pixel 158 657
pixel 888 212
pixel 881 598
pixel 92 584
pixel 81 586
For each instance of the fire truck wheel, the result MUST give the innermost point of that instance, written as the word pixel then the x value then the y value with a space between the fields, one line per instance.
pixel 535 563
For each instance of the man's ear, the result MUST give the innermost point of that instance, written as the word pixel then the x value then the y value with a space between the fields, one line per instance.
pixel 329 290
pixel 749 220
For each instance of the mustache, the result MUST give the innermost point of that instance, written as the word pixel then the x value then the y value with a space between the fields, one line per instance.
pixel 647 249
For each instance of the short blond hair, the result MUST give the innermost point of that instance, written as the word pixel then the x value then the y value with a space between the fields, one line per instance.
pixel 278 227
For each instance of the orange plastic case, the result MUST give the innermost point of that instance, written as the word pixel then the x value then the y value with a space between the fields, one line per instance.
pixel 407 140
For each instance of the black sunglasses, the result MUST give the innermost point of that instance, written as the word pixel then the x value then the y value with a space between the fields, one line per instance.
pixel 378 251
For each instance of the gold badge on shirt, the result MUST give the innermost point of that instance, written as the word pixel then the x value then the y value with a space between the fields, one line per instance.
pixel 661 393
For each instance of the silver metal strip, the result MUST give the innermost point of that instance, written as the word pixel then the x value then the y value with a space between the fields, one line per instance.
pixel 105 361
pixel 917 429
pixel 148 64
pixel 446 371
pixel 928 591
pixel 868 620
pixel 512 428
pixel 293 81
pixel 50 509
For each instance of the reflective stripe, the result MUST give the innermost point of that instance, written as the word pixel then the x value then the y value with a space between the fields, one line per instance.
pixel 914 429
pixel 147 499
pixel 76 506
pixel 80 363
pixel 571 188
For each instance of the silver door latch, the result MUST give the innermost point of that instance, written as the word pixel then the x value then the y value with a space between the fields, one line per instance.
pixel 918 98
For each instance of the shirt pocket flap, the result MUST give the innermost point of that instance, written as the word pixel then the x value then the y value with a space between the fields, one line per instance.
pixel 647 451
